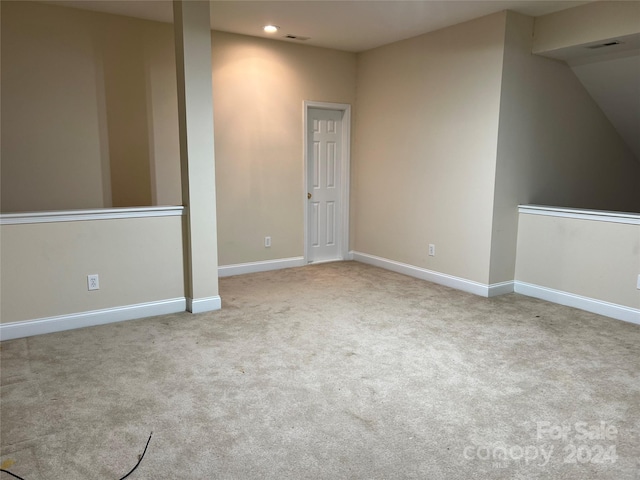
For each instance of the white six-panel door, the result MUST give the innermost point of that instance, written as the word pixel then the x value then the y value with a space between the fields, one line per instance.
pixel 324 188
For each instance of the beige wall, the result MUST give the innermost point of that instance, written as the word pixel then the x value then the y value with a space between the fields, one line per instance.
pixel 81 92
pixel 599 260
pixel 425 148
pixel 453 129
pixel 258 90
pixel 120 49
pixel 51 123
pixel 555 146
pixel 44 266
pixel 162 103
pixel 128 122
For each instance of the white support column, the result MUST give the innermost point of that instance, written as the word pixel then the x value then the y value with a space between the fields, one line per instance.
pixel 195 111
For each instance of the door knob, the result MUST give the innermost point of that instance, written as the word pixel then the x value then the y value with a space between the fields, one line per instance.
pixel 308 196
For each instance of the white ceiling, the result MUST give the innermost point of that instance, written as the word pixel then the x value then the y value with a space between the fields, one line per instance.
pixel 344 25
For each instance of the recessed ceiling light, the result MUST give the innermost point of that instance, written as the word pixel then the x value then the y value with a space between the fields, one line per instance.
pixel 271 28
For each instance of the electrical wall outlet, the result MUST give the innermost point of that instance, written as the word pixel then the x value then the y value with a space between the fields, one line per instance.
pixel 267 242
pixel 432 250
pixel 93 282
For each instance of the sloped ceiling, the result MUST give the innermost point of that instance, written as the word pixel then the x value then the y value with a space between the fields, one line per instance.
pixel 611 75
pixel 614 84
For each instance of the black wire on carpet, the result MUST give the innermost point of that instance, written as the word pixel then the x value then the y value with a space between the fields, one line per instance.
pixel 12 474
pixel 122 478
pixel 140 459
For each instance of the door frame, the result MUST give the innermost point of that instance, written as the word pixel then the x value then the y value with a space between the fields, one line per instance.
pixel 345 169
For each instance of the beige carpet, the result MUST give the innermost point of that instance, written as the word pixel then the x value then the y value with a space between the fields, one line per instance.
pixel 334 371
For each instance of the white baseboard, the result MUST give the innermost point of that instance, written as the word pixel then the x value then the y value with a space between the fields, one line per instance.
pixel 200 305
pixel 619 312
pixel 495 289
pixel 59 323
pixel 263 266
pixel 458 283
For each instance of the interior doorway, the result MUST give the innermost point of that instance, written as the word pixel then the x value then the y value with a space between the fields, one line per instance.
pixel 326 179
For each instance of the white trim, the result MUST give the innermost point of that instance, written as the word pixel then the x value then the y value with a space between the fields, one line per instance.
pixel 328 260
pixel 263 266
pixel 345 108
pixel 495 289
pixel 613 310
pixel 93 214
pixel 436 277
pixel 207 304
pixel 59 323
pixel 581 214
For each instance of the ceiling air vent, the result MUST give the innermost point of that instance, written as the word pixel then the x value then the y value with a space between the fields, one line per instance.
pixel 296 37
pixel 603 45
